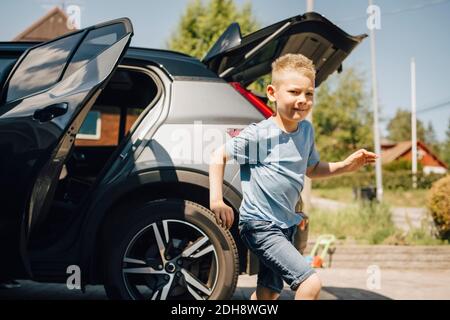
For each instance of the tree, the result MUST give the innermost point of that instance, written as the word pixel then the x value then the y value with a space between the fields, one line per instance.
pixel 431 140
pixel 341 117
pixel 430 134
pixel 399 127
pixel 445 147
pixel 202 24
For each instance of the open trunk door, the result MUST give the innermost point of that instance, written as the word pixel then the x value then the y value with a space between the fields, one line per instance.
pixel 244 60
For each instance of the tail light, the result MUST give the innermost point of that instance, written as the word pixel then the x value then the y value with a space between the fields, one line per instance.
pixel 254 100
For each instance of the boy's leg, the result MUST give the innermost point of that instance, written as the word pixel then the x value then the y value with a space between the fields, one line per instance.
pixel 269 284
pixel 309 289
pixel 275 250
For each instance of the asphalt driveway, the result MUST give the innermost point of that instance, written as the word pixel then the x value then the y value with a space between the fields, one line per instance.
pixel 341 284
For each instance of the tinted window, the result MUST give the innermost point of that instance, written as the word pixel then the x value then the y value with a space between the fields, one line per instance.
pixel 91 127
pixel 5 63
pixel 132 116
pixel 5 67
pixel 95 43
pixel 44 65
pixel 100 128
pixel 41 68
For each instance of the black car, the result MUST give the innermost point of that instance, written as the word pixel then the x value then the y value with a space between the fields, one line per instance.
pixel 93 173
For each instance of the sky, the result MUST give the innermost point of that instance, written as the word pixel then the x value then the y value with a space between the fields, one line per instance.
pixel 409 28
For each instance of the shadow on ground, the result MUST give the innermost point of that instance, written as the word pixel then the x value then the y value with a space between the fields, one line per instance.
pixel 353 294
pixel 327 293
pixel 30 290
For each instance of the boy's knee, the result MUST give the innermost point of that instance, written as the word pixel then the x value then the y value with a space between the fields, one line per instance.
pixel 311 285
pixel 316 283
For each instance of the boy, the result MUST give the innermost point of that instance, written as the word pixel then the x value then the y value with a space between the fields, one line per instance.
pixel 275 154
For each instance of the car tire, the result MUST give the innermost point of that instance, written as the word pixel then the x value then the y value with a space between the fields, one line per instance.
pixel 192 240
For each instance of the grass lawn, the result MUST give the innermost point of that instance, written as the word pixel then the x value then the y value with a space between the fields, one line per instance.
pixel 395 198
pixel 366 225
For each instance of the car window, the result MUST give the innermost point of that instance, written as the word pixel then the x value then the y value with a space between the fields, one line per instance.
pixel 91 128
pixel 95 43
pixel 132 116
pixel 5 63
pixel 41 68
pixel 100 127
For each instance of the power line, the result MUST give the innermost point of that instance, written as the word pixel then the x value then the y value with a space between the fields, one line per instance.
pixel 425 109
pixel 63 4
pixel 437 106
pixel 413 8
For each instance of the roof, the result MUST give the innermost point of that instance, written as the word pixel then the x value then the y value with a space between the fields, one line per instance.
pixel 385 143
pixel 403 147
pixel 395 152
pixel 178 65
pixel 53 24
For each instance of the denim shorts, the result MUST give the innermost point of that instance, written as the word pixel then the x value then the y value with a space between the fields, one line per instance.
pixel 278 258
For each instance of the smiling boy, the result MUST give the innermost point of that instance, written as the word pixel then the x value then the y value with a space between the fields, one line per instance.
pixel 275 155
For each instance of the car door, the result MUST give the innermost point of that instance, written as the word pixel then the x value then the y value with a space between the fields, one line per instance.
pixel 244 60
pixel 44 101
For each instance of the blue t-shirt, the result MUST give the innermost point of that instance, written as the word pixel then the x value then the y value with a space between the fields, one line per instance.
pixel 273 166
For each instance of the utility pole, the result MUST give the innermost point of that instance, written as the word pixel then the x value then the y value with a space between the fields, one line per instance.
pixel 376 130
pixel 301 236
pixel 413 123
pixel 306 192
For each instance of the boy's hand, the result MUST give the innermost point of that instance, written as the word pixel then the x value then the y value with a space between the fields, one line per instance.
pixel 224 214
pixel 358 159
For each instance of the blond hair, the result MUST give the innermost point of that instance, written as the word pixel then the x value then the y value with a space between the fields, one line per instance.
pixel 293 62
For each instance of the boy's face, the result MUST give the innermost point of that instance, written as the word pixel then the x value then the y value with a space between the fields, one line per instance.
pixel 293 93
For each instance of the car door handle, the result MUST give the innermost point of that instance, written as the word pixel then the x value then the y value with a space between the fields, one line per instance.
pixel 50 112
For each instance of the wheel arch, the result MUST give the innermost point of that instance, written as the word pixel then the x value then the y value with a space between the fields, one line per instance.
pixel 149 185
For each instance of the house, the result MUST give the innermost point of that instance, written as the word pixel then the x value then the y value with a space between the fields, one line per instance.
pixel 101 127
pixel 391 151
pixel 53 24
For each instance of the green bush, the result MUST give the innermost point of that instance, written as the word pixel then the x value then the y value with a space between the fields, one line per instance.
pixel 364 223
pixel 425 181
pixel 369 224
pixel 421 236
pixel 438 202
pixel 360 179
pixel 401 165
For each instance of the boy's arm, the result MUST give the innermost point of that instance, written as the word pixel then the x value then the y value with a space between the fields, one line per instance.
pixel 224 214
pixel 353 162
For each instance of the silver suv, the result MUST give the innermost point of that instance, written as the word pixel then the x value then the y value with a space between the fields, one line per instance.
pixel 104 155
